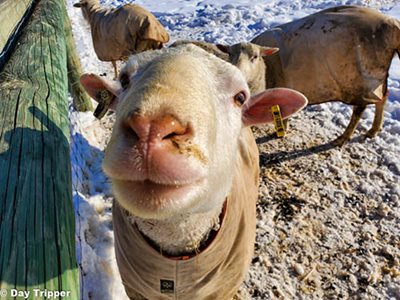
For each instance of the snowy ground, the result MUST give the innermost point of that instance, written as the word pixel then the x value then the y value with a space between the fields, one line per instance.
pixel 328 219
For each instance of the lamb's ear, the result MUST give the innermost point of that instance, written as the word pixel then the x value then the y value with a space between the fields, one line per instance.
pixel 97 87
pixel 265 51
pixel 257 110
pixel 223 48
pixel 102 90
pixel 151 29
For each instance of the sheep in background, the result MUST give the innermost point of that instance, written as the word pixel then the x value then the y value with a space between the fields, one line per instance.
pixel 184 168
pixel 338 54
pixel 247 57
pixel 209 47
pixel 120 32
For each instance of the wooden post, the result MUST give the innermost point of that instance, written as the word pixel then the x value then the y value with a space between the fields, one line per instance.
pixel 37 227
pixel 81 100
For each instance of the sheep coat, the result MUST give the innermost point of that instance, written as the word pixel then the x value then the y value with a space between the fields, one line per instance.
pixel 342 53
pixel 119 32
pixel 215 272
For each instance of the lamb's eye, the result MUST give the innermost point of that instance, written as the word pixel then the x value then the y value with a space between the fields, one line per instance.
pixel 254 57
pixel 125 80
pixel 239 98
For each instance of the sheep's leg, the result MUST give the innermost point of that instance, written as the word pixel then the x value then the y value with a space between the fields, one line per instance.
pixel 355 118
pixel 378 118
pixel 114 63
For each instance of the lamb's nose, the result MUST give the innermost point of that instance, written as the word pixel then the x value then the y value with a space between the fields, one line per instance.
pixel 161 128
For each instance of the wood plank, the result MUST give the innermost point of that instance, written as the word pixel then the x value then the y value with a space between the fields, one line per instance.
pixel 37 227
pixel 13 16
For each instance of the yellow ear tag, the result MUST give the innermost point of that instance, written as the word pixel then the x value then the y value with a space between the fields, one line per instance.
pixel 276 113
pixel 104 97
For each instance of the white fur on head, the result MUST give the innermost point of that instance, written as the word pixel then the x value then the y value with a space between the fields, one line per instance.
pixel 135 61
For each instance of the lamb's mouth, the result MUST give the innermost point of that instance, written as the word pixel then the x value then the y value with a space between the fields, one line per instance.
pixel 150 187
pixel 151 196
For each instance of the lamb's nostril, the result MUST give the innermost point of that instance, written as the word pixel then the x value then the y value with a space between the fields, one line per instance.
pixel 169 136
pixel 167 127
pixel 138 125
pixel 162 128
pixel 184 131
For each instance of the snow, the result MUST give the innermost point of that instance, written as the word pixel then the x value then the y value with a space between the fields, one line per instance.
pixel 328 219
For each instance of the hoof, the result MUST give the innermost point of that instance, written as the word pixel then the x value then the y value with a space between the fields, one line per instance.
pixel 372 133
pixel 340 141
pixel 242 294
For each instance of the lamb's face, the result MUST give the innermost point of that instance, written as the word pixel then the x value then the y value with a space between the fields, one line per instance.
pixel 248 58
pixel 174 144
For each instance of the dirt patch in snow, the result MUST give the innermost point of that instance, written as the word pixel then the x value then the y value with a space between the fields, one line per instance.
pixel 328 218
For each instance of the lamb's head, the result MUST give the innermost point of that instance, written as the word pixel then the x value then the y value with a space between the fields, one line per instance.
pixel 86 6
pixel 175 140
pixel 248 58
pixel 87 3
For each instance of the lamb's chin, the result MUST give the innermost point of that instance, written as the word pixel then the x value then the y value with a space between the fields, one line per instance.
pixel 150 200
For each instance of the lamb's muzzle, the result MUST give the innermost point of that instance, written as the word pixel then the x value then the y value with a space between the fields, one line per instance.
pixel 161 148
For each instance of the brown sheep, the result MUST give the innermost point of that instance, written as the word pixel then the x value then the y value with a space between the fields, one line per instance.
pixel 120 32
pixel 338 54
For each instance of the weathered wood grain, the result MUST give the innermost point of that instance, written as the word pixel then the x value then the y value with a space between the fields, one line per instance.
pixel 37 230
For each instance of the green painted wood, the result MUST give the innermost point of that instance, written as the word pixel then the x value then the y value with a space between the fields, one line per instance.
pixel 37 226
pixel 13 13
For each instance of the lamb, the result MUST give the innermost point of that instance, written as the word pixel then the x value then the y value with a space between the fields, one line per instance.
pixel 338 54
pixel 184 168
pixel 120 32
pixel 247 57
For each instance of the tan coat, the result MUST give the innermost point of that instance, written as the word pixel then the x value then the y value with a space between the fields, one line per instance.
pixel 120 32
pixel 341 53
pixel 215 273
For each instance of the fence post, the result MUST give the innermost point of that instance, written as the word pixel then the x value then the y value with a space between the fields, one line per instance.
pixel 37 225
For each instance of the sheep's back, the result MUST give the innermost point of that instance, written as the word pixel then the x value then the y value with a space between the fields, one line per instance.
pixel 341 53
pixel 148 26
